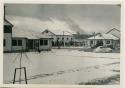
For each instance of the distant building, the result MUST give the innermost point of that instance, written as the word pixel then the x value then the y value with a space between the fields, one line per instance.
pixel 107 40
pixel 81 39
pixel 114 32
pixel 60 38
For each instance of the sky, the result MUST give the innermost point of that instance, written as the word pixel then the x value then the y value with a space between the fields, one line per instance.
pixel 83 18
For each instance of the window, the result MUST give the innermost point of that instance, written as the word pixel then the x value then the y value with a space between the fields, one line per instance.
pixel 45 42
pixel 19 42
pixel 7 29
pixel 57 38
pixel 107 42
pixel 4 42
pixel 91 42
pixel 41 42
pixel 14 42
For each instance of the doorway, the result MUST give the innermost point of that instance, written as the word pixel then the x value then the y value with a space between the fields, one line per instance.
pixel 31 44
pixel 99 43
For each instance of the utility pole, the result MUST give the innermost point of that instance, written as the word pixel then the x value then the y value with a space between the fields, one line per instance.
pixel 63 39
pixel 4 11
pixel 94 38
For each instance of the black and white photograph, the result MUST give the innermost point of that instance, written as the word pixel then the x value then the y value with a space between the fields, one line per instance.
pixel 62 44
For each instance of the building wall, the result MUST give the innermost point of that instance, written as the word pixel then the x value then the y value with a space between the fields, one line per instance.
pixel 66 38
pixel 104 42
pixel 19 48
pixel 46 47
pixel 35 47
pixel 81 42
pixel 62 39
pixel 8 41
pixel 116 44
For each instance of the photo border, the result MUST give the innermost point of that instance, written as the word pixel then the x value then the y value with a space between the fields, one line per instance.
pixel 64 2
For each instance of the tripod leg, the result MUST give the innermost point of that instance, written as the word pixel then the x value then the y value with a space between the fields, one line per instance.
pixel 15 58
pixel 14 76
pixel 27 58
pixel 25 75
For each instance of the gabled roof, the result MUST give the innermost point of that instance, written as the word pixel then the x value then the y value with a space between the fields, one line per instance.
pixel 46 31
pixel 114 32
pixel 58 32
pixel 6 22
pixel 104 36
pixel 63 33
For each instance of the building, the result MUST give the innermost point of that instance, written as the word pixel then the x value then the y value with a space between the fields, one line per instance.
pixel 30 41
pixel 107 40
pixel 81 39
pixel 24 40
pixel 114 32
pixel 7 41
pixel 60 38
pixel 19 44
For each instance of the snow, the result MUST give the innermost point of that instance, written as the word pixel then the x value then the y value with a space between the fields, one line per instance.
pixel 62 32
pixel 63 66
pixel 104 36
pixel 30 34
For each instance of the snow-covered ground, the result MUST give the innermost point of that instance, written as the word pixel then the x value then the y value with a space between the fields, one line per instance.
pixel 65 66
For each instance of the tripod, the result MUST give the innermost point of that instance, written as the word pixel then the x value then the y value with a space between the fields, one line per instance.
pixel 20 68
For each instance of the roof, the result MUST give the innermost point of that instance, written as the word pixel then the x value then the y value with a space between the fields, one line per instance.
pixel 104 36
pixel 114 32
pixel 63 33
pixel 6 22
pixel 59 32
pixel 28 34
pixel 48 31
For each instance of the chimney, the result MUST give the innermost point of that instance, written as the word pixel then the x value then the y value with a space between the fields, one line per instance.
pixel 4 12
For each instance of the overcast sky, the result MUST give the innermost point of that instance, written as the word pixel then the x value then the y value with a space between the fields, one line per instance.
pixel 81 18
